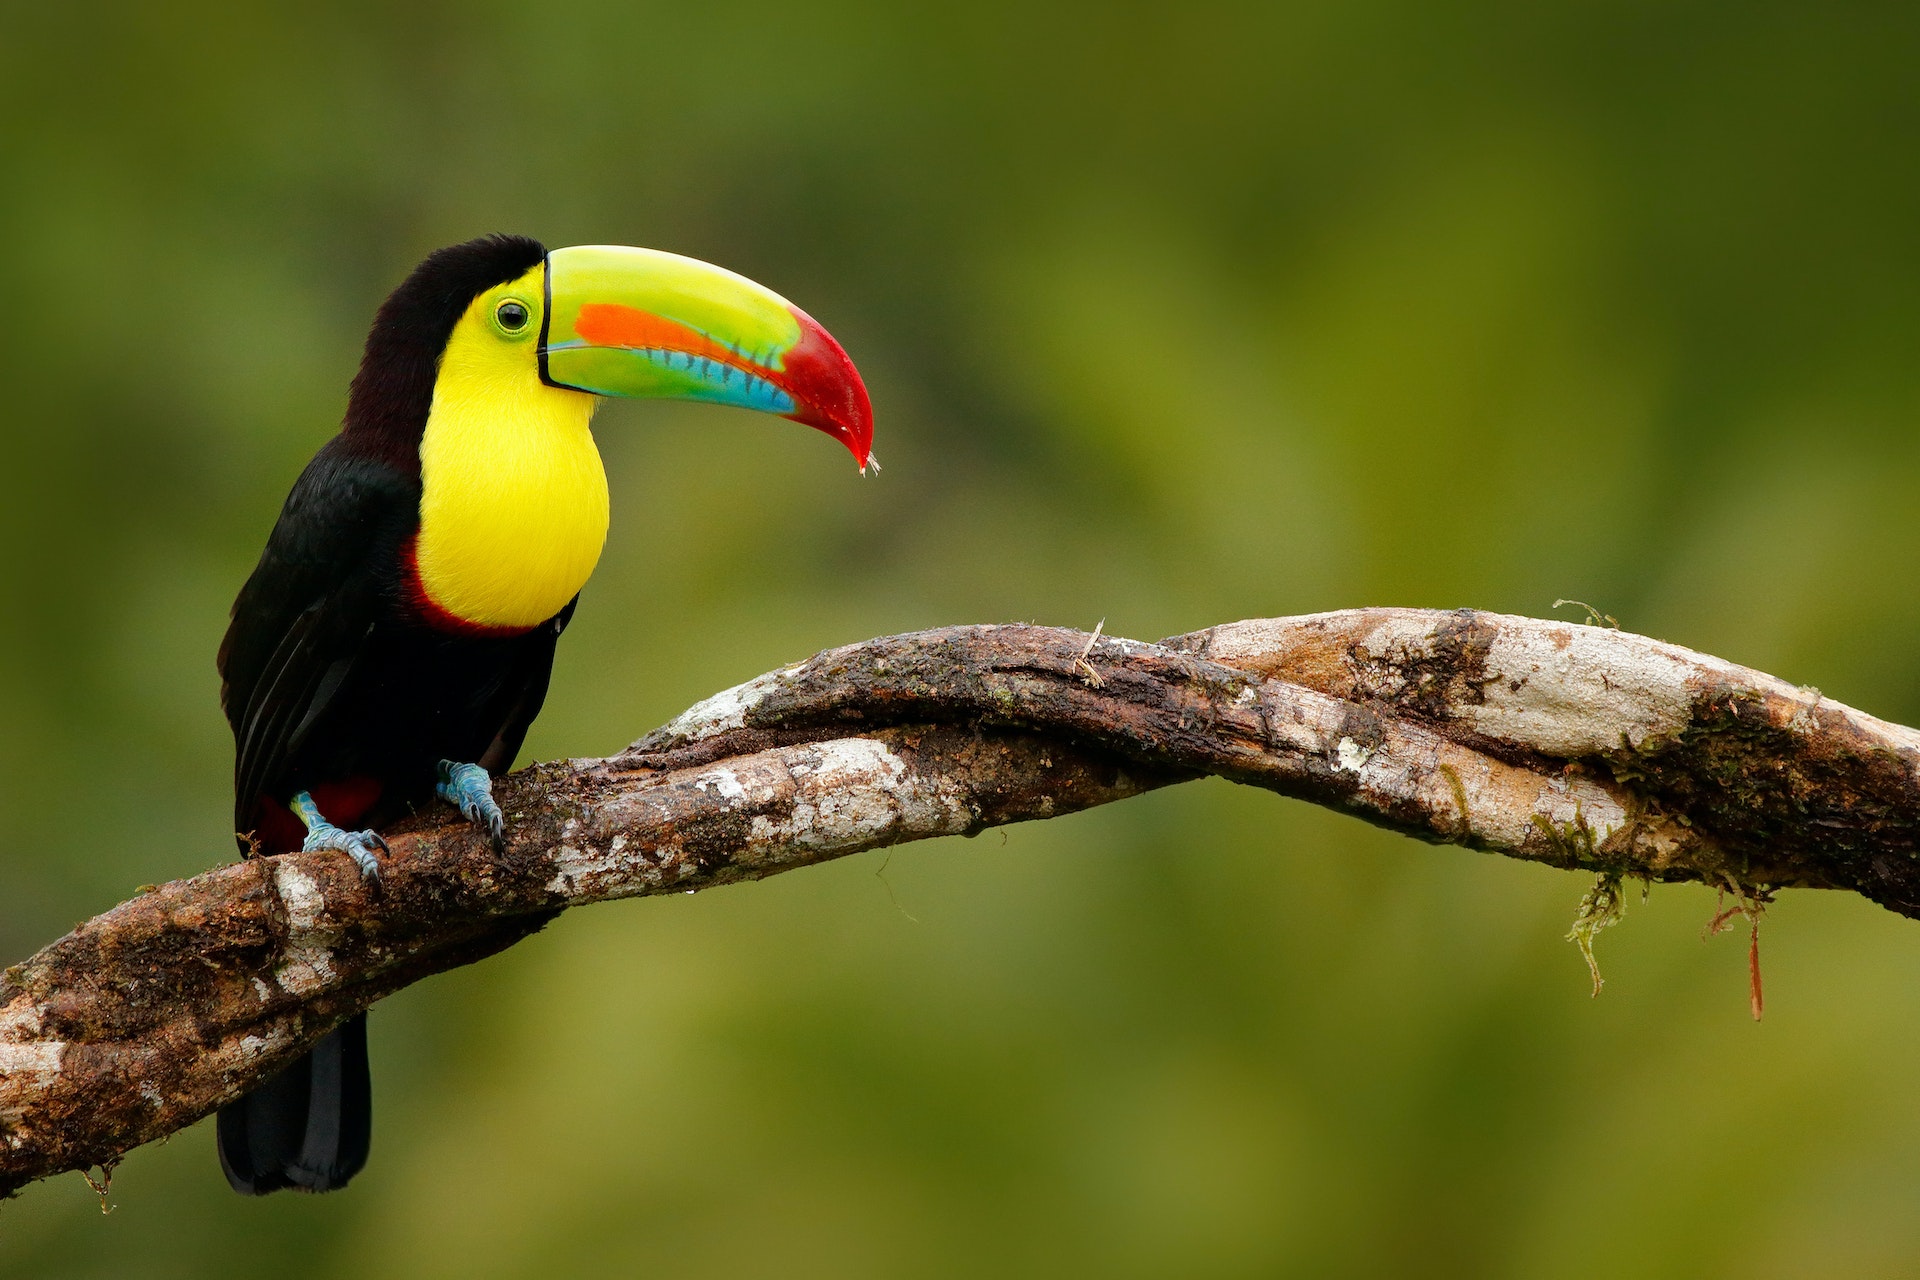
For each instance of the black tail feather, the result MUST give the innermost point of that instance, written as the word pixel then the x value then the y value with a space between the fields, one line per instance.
pixel 307 1128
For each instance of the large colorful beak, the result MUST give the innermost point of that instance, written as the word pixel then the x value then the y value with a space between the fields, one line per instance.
pixel 638 322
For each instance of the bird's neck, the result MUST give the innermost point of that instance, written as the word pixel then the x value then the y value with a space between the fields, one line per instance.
pixel 513 500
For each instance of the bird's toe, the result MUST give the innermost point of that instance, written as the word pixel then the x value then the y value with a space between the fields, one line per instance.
pixel 469 788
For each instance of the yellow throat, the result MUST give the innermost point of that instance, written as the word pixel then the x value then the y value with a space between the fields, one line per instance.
pixel 513 500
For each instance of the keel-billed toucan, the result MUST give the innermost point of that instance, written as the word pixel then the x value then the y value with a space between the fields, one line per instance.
pixel 394 642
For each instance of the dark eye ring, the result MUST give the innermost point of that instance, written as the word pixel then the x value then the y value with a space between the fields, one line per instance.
pixel 512 316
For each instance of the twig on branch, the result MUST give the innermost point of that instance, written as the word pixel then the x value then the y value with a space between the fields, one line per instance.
pixel 1578 746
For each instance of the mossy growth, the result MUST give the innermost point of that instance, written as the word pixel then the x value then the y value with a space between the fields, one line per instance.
pixel 1603 907
pixel 1595 618
pixel 1572 843
pixel 1750 901
pixel 1448 772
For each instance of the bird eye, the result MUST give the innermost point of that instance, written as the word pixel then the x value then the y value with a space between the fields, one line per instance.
pixel 511 316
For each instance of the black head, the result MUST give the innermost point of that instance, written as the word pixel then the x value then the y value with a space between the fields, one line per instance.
pixel 391 394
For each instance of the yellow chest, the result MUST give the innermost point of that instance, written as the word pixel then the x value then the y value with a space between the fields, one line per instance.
pixel 513 501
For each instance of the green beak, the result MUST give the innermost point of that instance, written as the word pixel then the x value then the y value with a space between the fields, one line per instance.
pixel 639 322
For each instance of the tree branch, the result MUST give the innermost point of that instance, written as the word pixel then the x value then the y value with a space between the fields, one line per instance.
pixel 1577 746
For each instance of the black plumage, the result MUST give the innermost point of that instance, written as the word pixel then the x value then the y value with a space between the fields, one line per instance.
pixel 340 681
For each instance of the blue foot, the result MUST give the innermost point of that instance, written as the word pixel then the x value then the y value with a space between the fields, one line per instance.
pixel 468 788
pixel 321 834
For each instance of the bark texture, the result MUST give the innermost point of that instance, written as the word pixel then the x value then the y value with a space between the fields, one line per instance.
pixel 1578 746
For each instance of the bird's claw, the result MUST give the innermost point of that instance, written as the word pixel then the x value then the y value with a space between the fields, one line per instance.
pixel 468 788
pixel 358 845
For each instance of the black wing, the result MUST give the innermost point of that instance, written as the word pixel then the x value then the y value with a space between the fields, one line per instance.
pixel 525 690
pixel 305 615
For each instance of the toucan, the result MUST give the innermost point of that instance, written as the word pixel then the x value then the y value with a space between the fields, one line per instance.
pixel 394 642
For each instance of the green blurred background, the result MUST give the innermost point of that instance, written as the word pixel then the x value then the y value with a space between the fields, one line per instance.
pixel 1171 316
